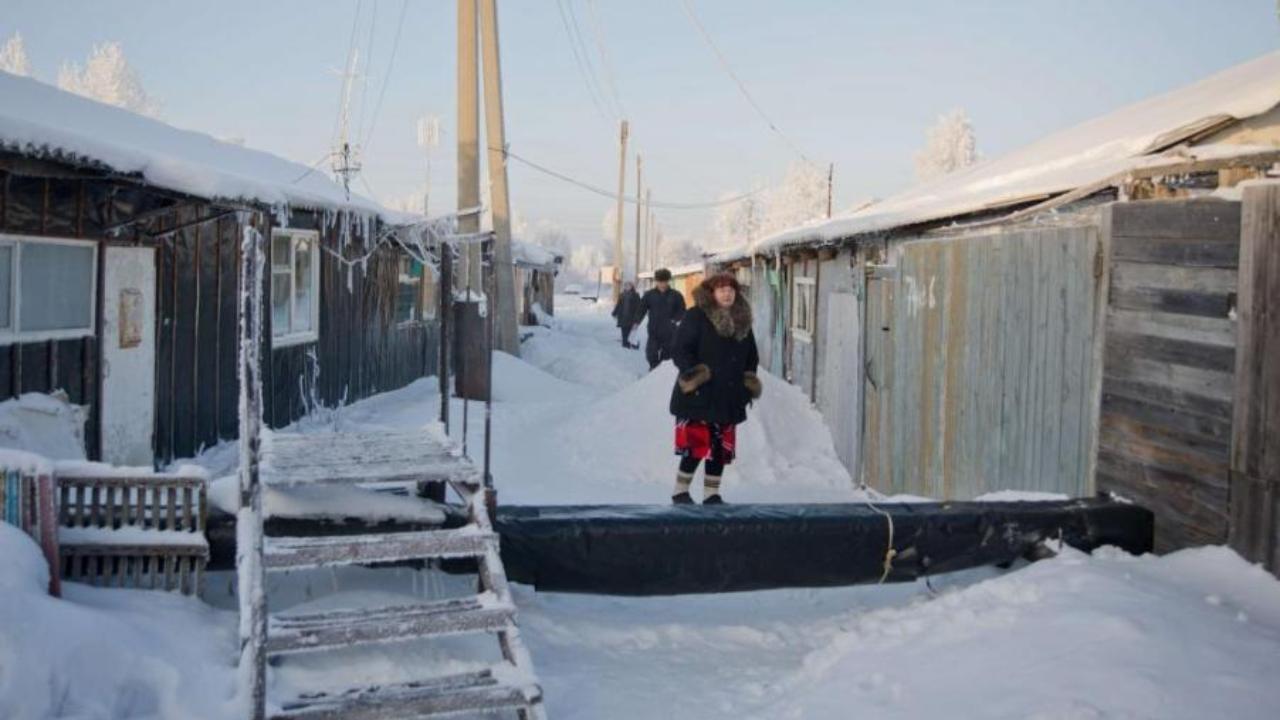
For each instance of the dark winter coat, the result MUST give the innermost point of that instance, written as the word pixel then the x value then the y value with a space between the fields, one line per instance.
pixel 627 309
pixel 716 354
pixel 664 309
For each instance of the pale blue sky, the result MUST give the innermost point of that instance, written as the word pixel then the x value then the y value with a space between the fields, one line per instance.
pixel 852 83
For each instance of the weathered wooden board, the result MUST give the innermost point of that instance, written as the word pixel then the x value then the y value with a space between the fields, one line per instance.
pixel 1255 442
pixel 1170 361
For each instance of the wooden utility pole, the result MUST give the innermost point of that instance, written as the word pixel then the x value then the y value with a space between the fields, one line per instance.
pixel 505 335
pixel 635 275
pixel 617 235
pixel 648 226
pixel 831 173
pixel 468 142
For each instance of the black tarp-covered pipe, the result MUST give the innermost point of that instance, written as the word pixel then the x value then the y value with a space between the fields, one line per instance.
pixel 668 550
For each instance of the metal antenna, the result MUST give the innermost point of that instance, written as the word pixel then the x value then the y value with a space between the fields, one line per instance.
pixel 346 158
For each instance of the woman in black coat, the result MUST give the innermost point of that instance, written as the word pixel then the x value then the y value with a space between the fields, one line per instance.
pixel 716 354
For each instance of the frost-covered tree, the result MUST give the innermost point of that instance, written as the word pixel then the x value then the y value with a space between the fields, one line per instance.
pixel 13 56
pixel 739 222
pixel 949 146
pixel 107 77
pixel 801 197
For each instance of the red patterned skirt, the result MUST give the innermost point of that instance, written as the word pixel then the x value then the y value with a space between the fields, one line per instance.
pixel 703 440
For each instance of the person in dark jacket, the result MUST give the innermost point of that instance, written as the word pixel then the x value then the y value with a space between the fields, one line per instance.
pixel 626 310
pixel 715 352
pixel 665 308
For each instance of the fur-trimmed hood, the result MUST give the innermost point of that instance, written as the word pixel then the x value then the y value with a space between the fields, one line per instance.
pixel 733 322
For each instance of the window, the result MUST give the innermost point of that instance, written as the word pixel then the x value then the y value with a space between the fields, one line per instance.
pixel 295 277
pixel 804 308
pixel 47 288
pixel 416 293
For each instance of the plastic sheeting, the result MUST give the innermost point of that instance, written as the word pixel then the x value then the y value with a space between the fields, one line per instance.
pixel 668 550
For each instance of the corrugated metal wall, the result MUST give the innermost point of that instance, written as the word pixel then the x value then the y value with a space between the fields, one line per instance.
pixel 981 364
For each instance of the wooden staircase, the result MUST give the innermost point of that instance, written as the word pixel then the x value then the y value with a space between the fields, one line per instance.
pixel 375 459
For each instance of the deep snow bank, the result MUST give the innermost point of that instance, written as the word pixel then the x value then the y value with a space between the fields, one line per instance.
pixel 106 653
pixel 1191 635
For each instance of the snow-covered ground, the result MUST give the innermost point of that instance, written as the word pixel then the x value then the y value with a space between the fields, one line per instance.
pixel 1195 634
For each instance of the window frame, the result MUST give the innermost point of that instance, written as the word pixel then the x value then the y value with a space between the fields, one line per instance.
pixel 424 310
pixel 803 325
pixel 14 335
pixel 292 337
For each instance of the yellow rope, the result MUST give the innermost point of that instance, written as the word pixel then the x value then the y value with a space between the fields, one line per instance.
pixel 889 552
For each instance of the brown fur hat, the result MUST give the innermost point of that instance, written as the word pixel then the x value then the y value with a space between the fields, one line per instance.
pixel 733 322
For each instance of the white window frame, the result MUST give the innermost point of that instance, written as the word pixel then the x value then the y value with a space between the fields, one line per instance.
pixel 305 336
pixel 12 335
pixel 804 327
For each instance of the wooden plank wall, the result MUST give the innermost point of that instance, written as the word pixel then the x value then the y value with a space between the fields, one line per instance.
pixel 361 349
pixel 1255 448
pixel 52 207
pixel 1166 407
pixel 981 366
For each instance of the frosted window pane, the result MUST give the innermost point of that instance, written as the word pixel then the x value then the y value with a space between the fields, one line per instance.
pixel 57 286
pixel 279 303
pixel 302 259
pixel 6 286
pixel 280 252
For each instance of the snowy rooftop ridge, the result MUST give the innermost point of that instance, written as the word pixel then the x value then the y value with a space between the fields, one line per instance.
pixel 42 120
pixel 1081 155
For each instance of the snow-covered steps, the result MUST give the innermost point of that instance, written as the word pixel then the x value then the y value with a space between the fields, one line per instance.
pixel 364 457
pixel 357 626
pixel 502 687
pixel 288 553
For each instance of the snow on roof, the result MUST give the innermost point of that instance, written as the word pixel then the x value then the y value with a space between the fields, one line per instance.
pixel 527 253
pixel 41 120
pixel 1087 153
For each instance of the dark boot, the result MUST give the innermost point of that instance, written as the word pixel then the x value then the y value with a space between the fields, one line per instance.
pixel 713 500
pixel 683 498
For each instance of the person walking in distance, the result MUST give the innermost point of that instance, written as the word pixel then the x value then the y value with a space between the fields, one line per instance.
pixel 625 310
pixel 715 352
pixel 665 308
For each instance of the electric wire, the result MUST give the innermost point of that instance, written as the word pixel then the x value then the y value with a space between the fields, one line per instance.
pixel 386 78
pixel 577 61
pixel 728 69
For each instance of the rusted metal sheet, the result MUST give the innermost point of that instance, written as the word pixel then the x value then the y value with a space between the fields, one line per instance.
pixel 981 365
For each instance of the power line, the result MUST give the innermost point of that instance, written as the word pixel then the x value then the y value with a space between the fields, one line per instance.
pixel 597 30
pixel 586 56
pixel 631 199
pixel 577 61
pixel 386 79
pixel 364 86
pixel 724 64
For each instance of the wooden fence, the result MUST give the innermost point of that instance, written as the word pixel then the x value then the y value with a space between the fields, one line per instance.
pixel 1166 405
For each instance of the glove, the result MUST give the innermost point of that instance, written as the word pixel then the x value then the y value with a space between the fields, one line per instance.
pixel 694 378
pixel 754 387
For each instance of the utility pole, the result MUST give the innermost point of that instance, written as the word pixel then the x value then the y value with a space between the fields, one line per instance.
pixel 428 139
pixel 617 235
pixel 506 337
pixel 648 226
pixel 346 159
pixel 639 216
pixel 831 172
pixel 468 142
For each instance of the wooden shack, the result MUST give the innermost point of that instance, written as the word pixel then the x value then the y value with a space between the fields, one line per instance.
pixel 1059 319
pixel 119 248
